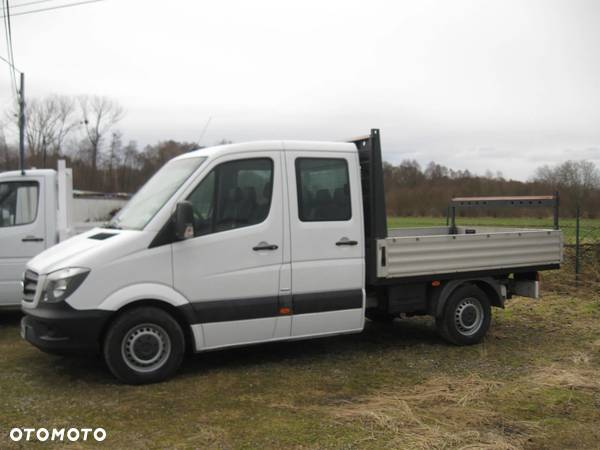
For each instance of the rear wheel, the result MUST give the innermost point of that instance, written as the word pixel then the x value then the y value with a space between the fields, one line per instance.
pixel 144 345
pixel 466 317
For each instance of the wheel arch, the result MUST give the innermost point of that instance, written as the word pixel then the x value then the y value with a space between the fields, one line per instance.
pixel 489 286
pixel 162 297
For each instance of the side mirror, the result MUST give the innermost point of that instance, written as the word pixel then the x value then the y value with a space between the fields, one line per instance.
pixel 184 221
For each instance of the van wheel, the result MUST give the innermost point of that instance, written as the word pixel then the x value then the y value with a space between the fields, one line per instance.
pixel 144 345
pixel 466 317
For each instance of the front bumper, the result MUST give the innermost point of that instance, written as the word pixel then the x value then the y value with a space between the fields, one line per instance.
pixel 62 329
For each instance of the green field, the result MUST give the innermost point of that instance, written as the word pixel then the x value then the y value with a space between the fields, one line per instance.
pixel 589 228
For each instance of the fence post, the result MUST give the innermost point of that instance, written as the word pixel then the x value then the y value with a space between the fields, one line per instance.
pixel 453 220
pixel 577 245
pixel 556 210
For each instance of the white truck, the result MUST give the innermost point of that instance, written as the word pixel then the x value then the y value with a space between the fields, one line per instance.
pixel 37 208
pixel 34 215
pixel 266 241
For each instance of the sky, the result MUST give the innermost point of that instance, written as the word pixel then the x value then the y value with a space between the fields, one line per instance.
pixel 500 85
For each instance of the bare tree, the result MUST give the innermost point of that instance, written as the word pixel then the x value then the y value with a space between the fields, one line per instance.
pixel 65 121
pixel 580 175
pixel 99 115
pixel 578 178
pixel 49 122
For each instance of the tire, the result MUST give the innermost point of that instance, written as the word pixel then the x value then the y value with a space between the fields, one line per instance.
pixel 144 345
pixel 467 316
pixel 375 315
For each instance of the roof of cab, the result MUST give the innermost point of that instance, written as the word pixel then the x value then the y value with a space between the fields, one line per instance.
pixel 316 146
pixel 30 172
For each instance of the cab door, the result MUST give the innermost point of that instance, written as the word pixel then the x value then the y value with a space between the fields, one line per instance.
pixel 230 270
pixel 327 254
pixel 22 232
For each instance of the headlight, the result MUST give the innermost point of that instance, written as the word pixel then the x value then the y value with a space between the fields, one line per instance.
pixel 62 283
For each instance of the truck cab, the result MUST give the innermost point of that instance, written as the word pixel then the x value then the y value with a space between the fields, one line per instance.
pixel 28 225
pixel 240 244
pixel 272 247
pixel 38 209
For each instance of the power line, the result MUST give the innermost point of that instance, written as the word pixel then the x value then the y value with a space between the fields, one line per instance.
pixel 9 63
pixel 205 128
pixel 20 92
pixel 20 5
pixel 10 40
pixel 55 7
pixel 8 48
pixel 12 81
pixel 11 73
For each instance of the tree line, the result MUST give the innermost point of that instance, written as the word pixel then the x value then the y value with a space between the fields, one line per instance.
pixel 83 130
pixel 415 191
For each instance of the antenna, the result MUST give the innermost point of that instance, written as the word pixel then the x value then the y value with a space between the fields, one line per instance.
pixel 204 129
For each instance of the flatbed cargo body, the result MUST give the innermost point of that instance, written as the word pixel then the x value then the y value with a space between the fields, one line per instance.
pixel 410 252
pixel 402 255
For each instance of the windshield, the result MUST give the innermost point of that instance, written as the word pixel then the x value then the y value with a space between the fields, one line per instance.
pixel 154 194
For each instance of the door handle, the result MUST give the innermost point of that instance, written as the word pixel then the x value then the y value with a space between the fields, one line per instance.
pixel 264 246
pixel 346 241
pixel 32 239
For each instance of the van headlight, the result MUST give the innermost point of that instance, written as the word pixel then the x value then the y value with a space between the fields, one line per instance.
pixel 62 283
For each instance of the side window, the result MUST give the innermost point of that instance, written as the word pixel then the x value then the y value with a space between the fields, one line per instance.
pixel 233 195
pixel 18 202
pixel 323 189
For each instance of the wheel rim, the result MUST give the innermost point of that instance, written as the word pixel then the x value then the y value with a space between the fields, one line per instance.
pixel 146 347
pixel 468 316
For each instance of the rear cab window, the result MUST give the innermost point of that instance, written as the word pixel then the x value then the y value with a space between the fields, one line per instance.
pixel 323 189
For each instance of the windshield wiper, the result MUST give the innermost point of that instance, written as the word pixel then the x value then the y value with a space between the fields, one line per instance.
pixel 112 226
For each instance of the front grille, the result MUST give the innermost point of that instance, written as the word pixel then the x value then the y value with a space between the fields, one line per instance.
pixel 30 281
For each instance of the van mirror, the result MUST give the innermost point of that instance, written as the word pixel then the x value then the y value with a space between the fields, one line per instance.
pixel 184 221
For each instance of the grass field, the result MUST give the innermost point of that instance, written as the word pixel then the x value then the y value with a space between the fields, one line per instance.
pixel 589 228
pixel 534 383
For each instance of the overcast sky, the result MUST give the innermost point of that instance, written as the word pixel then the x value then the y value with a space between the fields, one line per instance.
pixel 500 85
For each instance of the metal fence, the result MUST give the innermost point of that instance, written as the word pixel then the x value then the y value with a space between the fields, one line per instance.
pixel 582 248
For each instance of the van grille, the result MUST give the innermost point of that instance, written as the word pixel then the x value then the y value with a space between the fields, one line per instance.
pixel 29 285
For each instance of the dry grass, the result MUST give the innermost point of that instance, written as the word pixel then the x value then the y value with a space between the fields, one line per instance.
pixel 444 412
pixel 577 374
pixel 440 413
pixel 534 383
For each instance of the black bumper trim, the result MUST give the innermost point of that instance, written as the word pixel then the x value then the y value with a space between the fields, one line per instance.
pixel 61 328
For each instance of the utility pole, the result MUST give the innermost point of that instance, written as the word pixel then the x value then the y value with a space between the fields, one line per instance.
pixel 22 124
pixel 21 101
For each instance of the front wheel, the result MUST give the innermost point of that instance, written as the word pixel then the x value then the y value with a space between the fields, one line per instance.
pixel 144 345
pixel 466 317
